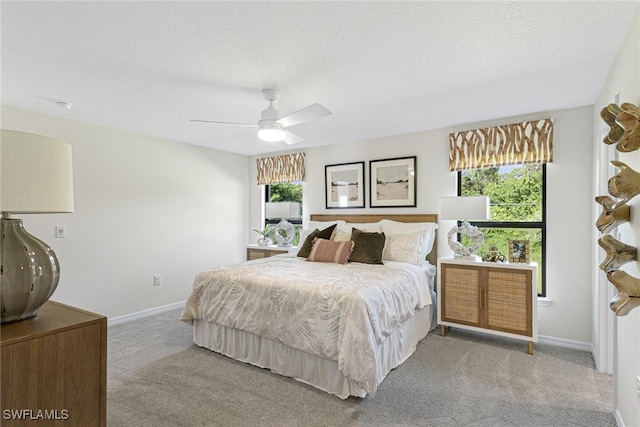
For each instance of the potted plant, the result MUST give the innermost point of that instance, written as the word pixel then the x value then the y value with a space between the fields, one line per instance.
pixel 264 239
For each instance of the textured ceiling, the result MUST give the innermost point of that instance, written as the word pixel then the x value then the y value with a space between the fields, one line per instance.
pixel 382 68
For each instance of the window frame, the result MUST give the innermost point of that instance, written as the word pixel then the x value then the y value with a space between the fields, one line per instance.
pixel 542 225
pixel 267 197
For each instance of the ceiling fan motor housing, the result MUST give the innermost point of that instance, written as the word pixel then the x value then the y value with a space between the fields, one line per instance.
pixel 270 130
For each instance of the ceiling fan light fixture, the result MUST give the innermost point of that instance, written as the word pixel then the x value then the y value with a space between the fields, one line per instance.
pixel 273 133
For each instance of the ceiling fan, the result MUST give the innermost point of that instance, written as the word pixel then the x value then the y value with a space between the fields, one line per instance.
pixel 272 127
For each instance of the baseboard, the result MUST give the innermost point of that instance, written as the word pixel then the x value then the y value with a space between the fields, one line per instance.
pixel 562 342
pixel 144 313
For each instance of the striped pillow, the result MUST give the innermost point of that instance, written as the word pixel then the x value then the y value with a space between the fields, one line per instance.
pixel 329 251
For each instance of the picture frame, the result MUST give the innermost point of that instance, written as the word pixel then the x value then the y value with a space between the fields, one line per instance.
pixel 344 185
pixel 393 182
pixel 519 251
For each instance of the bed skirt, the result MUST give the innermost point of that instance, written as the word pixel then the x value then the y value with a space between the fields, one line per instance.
pixel 307 368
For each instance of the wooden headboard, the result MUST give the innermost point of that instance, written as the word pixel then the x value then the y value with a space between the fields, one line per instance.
pixel 363 218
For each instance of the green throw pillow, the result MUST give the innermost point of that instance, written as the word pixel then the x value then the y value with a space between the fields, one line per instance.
pixel 305 249
pixel 367 248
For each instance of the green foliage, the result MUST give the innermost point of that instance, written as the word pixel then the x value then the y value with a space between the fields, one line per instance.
pixel 516 196
pixel 285 192
pixel 265 232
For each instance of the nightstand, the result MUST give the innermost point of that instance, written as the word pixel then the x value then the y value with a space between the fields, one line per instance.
pixel 256 251
pixel 55 362
pixel 499 299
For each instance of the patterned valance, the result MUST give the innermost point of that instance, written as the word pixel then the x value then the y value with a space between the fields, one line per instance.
pixel 516 144
pixel 276 169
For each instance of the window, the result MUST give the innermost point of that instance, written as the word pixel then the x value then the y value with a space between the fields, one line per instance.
pixel 517 210
pixel 284 201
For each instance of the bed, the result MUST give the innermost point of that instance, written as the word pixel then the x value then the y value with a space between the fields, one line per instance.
pixel 338 327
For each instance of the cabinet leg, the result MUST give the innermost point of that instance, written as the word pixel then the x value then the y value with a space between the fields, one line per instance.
pixel 443 330
pixel 530 347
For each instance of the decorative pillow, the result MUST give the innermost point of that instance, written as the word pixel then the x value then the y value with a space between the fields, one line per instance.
pixel 367 247
pixel 343 232
pixel 329 251
pixel 408 247
pixel 321 225
pixel 305 249
pixel 390 227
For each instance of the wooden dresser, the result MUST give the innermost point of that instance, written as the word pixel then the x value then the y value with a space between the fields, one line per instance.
pixel 54 369
pixel 256 252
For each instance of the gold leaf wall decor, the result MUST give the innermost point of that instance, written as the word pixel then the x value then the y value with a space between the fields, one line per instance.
pixel 629 120
pixel 625 184
pixel 624 131
pixel 628 296
pixel 611 216
pixel 624 126
pixel 618 253
pixel 609 114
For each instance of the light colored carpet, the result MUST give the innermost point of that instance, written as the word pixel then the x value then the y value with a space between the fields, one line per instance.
pixel 157 377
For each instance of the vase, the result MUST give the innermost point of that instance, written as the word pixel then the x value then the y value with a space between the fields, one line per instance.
pixel 285 232
pixel 29 272
pixel 264 241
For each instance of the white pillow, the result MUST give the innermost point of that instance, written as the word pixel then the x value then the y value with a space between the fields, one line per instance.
pixel 343 231
pixel 390 227
pixel 320 225
pixel 304 233
pixel 407 247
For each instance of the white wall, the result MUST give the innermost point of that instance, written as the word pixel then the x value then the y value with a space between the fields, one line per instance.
pixel 568 318
pixel 143 206
pixel 624 79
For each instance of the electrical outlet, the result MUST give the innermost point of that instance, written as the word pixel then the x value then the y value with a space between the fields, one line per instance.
pixel 157 280
pixel 61 231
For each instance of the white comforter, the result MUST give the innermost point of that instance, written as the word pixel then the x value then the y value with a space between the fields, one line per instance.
pixel 339 312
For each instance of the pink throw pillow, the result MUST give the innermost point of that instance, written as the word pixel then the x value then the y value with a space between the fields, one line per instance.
pixel 330 251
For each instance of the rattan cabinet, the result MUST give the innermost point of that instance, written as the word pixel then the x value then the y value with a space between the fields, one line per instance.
pixel 495 298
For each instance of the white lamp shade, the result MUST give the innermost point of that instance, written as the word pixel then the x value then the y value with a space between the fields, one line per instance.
pixel 287 210
pixel 36 174
pixel 465 208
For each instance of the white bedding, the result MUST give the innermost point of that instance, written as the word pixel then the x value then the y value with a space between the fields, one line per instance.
pixel 335 312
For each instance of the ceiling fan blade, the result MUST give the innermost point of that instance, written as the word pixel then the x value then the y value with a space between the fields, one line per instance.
pixel 310 112
pixel 224 123
pixel 292 138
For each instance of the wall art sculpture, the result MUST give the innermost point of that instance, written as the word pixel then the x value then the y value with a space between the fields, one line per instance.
pixel 624 185
pixel 624 132
pixel 618 253
pixel 628 296
pixel 624 124
pixel 611 216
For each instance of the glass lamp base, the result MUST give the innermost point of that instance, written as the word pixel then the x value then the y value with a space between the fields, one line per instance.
pixel 471 231
pixel 29 272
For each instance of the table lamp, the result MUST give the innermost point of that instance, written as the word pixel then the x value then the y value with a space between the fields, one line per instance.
pixel 465 208
pixel 36 176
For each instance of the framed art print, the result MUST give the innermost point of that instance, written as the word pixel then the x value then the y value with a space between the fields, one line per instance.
pixel 393 182
pixel 344 185
pixel 519 251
